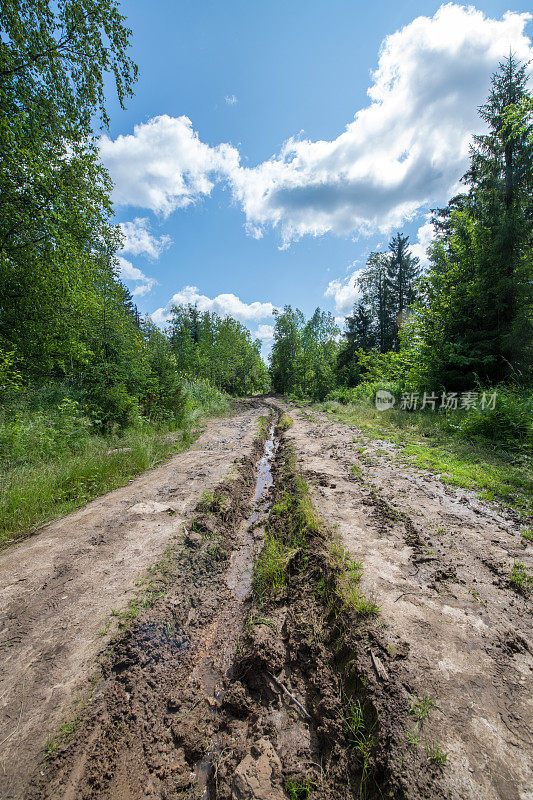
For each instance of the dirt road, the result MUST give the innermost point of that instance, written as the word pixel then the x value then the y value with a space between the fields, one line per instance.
pixel 213 690
pixel 58 588
pixel 437 561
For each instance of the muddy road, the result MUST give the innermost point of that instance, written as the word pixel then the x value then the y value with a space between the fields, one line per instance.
pixel 452 629
pixel 307 618
pixel 59 587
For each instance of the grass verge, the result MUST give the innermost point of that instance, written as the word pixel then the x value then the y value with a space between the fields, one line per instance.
pixel 35 492
pixel 498 474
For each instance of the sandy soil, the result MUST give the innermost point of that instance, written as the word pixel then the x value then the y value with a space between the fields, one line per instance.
pixel 58 587
pixel 437 561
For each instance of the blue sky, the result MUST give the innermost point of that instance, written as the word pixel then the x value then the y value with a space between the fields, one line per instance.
pixel 218 209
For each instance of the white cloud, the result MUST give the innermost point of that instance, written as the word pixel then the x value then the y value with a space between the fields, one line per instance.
pixel 344 293
pixel 264 332
pixel 139 240
pixel 222 304
pixel 163 165
pixel 405 149
pixel 425 236
pixel 127 272
pixel 230 99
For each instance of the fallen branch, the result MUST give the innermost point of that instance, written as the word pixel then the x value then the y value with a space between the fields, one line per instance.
pixel 297 703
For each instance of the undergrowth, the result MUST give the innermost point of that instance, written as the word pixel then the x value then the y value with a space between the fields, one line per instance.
pixel 53 459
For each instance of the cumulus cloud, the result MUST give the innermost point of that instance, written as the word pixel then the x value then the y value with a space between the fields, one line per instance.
pixel 345 293
pixel 127 272
pixel 222 304
pixel 140 241
pixel 264 332
pixel 405 149
pixel 163 165
pixel 425 236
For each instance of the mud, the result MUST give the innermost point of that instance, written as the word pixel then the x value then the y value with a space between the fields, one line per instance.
pixel 58 587
pixel 214 690
pixel 149 730
pixel 437 560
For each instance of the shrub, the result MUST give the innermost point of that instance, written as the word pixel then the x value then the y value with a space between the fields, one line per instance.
pixel 508 422
pixel 27 437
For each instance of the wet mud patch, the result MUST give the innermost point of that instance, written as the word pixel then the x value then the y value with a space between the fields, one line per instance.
pixel 313 710
pixel 148 730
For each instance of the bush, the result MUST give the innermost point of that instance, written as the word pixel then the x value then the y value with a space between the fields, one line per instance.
pixel 363 394
pixel 509 421
pixel 27 437
pixel 111 406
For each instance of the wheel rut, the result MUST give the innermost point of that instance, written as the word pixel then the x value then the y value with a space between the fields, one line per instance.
pixel 325 626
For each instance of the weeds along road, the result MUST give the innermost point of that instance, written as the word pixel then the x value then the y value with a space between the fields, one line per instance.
pixel 323 623
pixel 57 588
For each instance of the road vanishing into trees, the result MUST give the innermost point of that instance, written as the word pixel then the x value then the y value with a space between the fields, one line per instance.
pixel 139 662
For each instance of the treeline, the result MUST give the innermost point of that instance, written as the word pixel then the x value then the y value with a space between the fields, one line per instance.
pixel 65 317
pixel 220 350
pixel 304 354
pixel 467 321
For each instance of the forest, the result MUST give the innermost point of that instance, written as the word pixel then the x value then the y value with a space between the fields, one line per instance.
pixel 305 575
pixel 78 361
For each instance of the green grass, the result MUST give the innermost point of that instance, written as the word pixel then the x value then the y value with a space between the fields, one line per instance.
pixel 299 788
pixel 498 474
pixel 527 534
pixel 285 422
pixel 32 494
pixel 358 735
pixel 436 754
pixel 54 459
pixel 521 578
pixel 270 572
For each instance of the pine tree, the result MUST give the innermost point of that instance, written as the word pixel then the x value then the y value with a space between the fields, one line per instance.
pixel 402 272
pixel 359 334
pixel 377 296
pixel 477 321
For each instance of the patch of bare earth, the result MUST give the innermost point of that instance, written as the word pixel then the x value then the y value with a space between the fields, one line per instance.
pixel 58 588
pixel 448 664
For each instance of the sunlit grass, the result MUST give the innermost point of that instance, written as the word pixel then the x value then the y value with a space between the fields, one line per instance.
pixel 32 494
pixel 498 474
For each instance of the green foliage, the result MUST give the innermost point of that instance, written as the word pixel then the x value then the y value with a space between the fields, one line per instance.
pixel 476 323
pixel 10 378
pixel 218 350
pixel 32 437
pixel 54 456
pixel 509 422
pixel 304 354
